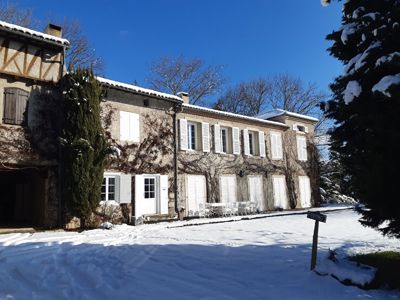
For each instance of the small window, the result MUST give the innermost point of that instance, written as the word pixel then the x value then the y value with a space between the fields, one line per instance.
pixel 108 188
pixel 251 143
pixel 301 128
pixel 15 106
pixel 150 188
pixel 192 128
pixel 224 140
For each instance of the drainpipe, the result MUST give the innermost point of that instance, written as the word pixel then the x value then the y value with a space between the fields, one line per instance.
pixel 177 109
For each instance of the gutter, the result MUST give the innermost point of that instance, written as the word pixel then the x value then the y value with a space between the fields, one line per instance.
pixel 177 109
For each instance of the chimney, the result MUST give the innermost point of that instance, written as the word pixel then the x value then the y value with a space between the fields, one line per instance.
pixel 54 30
pixel 184 96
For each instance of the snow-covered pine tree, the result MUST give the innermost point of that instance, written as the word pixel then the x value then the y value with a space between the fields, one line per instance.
pixel 366 107
pixel 83 144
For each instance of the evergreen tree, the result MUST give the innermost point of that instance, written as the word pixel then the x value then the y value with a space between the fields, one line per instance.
pixel 83 144
pixel 366 107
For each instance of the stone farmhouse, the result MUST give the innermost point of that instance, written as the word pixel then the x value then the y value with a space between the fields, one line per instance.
pixel 171 158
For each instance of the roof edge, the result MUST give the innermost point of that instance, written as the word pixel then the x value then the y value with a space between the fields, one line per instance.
pixel 280 112
pixel 138 89
pixel 229 114
pixel 37 35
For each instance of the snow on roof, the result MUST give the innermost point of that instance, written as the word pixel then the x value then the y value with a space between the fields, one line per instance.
pixel 138 89
pixel 224 113
pixel 32 33
pixel 280 112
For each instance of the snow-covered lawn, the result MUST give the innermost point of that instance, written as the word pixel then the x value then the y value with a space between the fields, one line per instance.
pixel 249 259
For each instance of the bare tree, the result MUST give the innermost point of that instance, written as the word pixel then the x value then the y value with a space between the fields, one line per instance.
pixel 13 14
pixel 246 98
pixel 280 91
pixel 178 74
pixel 80 52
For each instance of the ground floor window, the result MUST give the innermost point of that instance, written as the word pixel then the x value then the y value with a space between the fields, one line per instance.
pixel 150 188
pixel 108 188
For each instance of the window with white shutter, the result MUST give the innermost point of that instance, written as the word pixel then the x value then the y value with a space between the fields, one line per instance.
pixel 261 140
pixel 279 189
pixel 305 191
pixel 129 127
pixel 205 131
pixel 236 140
pixel 301 147
pixel 246 143
pixel 227 188
pixel 192 136
pixel 217 138
pixel 276 145
pixel 183 134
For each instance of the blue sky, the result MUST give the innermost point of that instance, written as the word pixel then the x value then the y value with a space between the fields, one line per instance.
pixel 250 39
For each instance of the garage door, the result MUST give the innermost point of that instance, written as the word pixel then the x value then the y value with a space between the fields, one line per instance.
pixel 227 188
pixel 256 191
pixel 305 191
pixel 280 196
pixel 196 193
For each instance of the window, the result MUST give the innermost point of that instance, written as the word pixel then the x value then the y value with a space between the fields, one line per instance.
pixel 251 143
pixel 15 104
pixel 224 140
pixel 108 188
pixel 191 133
pixel 276 145
pixel 301 147
pixel 129 127
pixel 149 188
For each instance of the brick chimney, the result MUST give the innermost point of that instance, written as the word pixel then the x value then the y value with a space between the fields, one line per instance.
pixel 54 30
pixel 184 96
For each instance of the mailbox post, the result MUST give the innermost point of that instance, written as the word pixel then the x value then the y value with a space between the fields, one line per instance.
pixel 318 217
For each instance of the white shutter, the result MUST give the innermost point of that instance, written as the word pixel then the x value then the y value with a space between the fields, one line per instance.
pixel 227 188
pixel 246 142
pixel 276 145
pixel 163 198
pixel 123 126
pixel 261 140
pixel 305 191
pixel 217 138
pixel 134 128
pixel 301 148
pixel 280 197
pixel 205 132
pixel 295 127
pixel 183 134
pixel 125 188
pixel 305 129
pixel 236 140
pixel 139 195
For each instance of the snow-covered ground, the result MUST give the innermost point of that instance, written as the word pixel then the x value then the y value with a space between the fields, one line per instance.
pixel 264 258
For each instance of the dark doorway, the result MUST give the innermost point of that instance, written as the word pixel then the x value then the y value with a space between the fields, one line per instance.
pixel 22 198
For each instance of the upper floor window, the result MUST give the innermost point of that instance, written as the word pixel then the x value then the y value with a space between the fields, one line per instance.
pixel 276 145
pixel 224 140
pixel 254 143
pixel 15 106
pixel 192 135
pixel 301 147
pixel 129 127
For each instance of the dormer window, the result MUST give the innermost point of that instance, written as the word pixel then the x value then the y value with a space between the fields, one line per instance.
pixel 300 128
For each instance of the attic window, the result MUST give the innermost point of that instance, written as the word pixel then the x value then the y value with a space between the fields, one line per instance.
pixel 301 128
